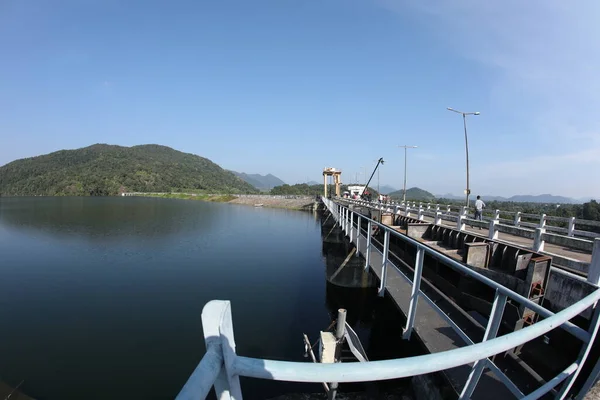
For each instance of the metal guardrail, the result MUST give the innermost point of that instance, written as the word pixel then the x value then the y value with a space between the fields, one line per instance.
pixel 542 219
pixel 221 367
pixel 540 233
pixel 571 222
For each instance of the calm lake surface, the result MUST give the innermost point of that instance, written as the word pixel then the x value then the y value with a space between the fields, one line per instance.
pixel 101 297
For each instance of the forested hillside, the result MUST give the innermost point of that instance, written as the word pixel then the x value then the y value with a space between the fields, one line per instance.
pixel 102 170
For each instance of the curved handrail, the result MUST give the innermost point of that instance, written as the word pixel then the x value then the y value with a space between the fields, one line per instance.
pixel 404 367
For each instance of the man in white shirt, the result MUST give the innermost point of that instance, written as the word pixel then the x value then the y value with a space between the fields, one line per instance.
pixel 479 205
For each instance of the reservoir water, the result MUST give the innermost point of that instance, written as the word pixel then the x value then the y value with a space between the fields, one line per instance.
pixel 100 298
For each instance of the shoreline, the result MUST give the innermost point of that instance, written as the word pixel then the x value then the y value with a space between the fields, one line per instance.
pixel 298 203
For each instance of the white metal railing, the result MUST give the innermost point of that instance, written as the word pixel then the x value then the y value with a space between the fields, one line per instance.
pixel 540 234
pixel 221 367
pixel 515 220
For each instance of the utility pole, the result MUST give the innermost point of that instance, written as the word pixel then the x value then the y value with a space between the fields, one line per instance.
pixel 404 190
pixel 464 114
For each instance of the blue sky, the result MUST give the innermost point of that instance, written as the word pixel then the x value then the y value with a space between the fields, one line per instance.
pixel 290 87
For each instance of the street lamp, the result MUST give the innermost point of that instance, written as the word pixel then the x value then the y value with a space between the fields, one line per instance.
pixel 404 191
pixel 464 114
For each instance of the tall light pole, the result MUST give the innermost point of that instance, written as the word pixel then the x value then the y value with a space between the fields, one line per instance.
pixel 464 114
pixel 404 190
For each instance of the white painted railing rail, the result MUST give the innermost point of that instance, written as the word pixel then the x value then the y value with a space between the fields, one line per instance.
pixel 221 367
pixel 515 220
pixel 540 234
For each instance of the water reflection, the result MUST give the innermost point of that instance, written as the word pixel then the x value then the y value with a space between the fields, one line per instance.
pixel 106 218
pixel 101 298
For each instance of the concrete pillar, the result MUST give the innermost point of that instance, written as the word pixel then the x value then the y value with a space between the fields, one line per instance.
pixel 420 215
pixel 438 218
pixel 448 208
pixel 518 218
pixel 571 227
pixel 594 271
pixel 325 185
pixel 460 223
pixel 538 240
pixel 497 215
pixel 493 233
pixel 542 220
pixel 407 211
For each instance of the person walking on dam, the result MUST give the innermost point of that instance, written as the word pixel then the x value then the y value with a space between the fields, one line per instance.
pixel 479 206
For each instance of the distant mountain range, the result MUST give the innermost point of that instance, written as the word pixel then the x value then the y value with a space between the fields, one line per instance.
pixel 261 182
pixel 387 189
pixel 523 198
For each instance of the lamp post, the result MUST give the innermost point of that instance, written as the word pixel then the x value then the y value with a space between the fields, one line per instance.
pixel 404 190
pixel 464 114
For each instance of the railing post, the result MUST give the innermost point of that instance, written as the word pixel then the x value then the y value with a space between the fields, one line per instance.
pixel 583 354
pixel 518 218
pixel 218 328
pixel 415 291
pixel 497 215
pixel 352 227
pixel 460 222
pixel 593 376
pixel 406 210
pixel 420 214
pixel 490 333
pixel 448 209
pixel 358 223
pixel 438 218
pixel 571 227
pixel 594 270
pixel 493 232
pixel 538 240
pixel 346 221
pixel 542 221
pixel 368 247
pixel 384 259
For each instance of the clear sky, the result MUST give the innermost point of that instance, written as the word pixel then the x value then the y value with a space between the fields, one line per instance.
pixel 289 87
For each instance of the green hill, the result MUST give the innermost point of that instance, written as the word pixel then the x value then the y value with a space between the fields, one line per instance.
pixel 413 194
pixel 103 170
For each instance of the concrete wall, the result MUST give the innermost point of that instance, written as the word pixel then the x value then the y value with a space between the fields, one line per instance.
pixel 565 290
